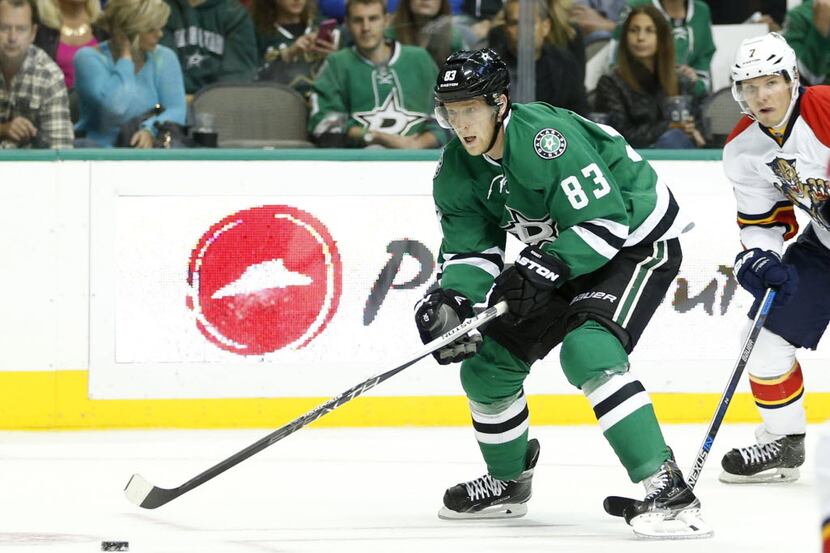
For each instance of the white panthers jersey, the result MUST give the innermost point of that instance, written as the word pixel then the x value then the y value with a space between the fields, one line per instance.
pixel 770 179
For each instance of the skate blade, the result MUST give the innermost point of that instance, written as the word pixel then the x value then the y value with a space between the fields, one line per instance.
pixel 771 476
pixel 687 525
pixel 499 511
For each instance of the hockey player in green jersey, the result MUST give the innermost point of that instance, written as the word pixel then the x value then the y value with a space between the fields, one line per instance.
pixel 601 234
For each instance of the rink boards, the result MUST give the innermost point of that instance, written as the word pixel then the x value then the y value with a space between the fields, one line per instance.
pixel 244 292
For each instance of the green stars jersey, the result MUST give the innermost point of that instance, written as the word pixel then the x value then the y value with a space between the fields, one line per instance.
pixel 395 98
pixel 214 41
pixel 570 186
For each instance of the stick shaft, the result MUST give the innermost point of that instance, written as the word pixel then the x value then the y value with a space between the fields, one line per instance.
pixel 729 392
pixel 616 505
pixel 146 495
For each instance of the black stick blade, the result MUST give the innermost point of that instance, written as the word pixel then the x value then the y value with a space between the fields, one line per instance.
pixel 616 506
pixel 144 494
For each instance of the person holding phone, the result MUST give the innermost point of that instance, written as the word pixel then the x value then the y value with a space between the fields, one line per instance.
pixel 127 75
pixel 291 41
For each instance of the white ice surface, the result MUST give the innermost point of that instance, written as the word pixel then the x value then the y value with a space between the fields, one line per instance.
pixel 363 490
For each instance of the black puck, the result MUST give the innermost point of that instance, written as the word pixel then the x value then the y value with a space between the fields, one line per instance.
pixel 115 546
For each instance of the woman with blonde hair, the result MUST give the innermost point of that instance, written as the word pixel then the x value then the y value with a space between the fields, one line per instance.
pixel 562 33
pixel 127 75
pixel 65 27
pixel 634 94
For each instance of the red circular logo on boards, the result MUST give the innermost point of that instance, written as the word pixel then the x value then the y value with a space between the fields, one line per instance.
pixel 264 279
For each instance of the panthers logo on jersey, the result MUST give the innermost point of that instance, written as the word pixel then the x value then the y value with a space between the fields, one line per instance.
pixel 809 196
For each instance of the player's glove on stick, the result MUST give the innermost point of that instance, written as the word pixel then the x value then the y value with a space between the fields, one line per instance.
pixel 528 286
pixel 440 312
pixel 758 269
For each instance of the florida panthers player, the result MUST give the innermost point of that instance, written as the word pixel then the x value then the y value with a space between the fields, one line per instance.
pixel 776 159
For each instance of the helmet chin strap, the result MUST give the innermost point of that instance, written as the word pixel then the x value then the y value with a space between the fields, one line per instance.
pixel 793 98
pixel 496 127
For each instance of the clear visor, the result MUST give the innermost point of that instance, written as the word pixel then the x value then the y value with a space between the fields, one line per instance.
pixel 750 94
pixel 468 113
pixel 746 91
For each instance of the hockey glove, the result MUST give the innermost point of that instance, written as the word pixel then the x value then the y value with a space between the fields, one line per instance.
pixel 528 286
pixel 757 270
pixel 440 312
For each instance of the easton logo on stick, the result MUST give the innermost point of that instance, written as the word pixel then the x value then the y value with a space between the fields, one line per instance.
pixel 264 279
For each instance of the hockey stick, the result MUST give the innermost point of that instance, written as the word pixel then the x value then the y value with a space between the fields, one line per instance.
pixel 144 494
pixel 615 505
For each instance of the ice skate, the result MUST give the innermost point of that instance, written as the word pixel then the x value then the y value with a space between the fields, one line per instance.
pixel 771 460
pixel 488 498
pixel 670 509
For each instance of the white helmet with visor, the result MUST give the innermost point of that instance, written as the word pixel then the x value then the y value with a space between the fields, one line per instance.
pixel 761 56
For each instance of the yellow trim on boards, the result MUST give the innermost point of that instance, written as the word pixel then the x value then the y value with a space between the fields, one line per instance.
pixel 58 400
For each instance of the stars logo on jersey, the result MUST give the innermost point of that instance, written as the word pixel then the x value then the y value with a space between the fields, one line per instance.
pixel 527 229
pixel 549 143
pixel 811 196
pixel 390 117
pixel 195 60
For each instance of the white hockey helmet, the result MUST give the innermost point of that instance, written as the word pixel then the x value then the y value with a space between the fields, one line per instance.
pixel 765 55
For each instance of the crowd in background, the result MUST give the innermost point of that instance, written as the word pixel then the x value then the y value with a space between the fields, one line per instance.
pixel 123 74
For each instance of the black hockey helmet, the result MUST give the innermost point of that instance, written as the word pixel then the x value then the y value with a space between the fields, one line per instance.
pixel 470 74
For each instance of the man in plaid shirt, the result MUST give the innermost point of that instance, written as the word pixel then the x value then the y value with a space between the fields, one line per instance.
pixel 34 107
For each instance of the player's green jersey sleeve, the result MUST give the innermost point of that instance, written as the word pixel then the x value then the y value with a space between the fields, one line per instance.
pixel 550 155
pixel 472 247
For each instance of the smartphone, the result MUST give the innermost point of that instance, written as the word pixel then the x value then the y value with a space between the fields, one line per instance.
pixel 326 31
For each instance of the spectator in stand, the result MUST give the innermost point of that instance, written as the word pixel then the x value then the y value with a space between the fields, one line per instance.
pixel 807 30
pixel 376 93
pixel 428 24
pixel 65 27
pixel 691 27
pixel 34 109
pixel 287 42
pixel 564 34
pixel 214 41
pixel 477 19
pixel 634 94
pixel 596 19
pixel 555 66
pixel 736 12
pixel 125 76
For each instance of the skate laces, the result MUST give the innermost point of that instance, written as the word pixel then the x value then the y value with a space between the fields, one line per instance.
pixel 485 486
pixel 656 484
pixel 760 453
